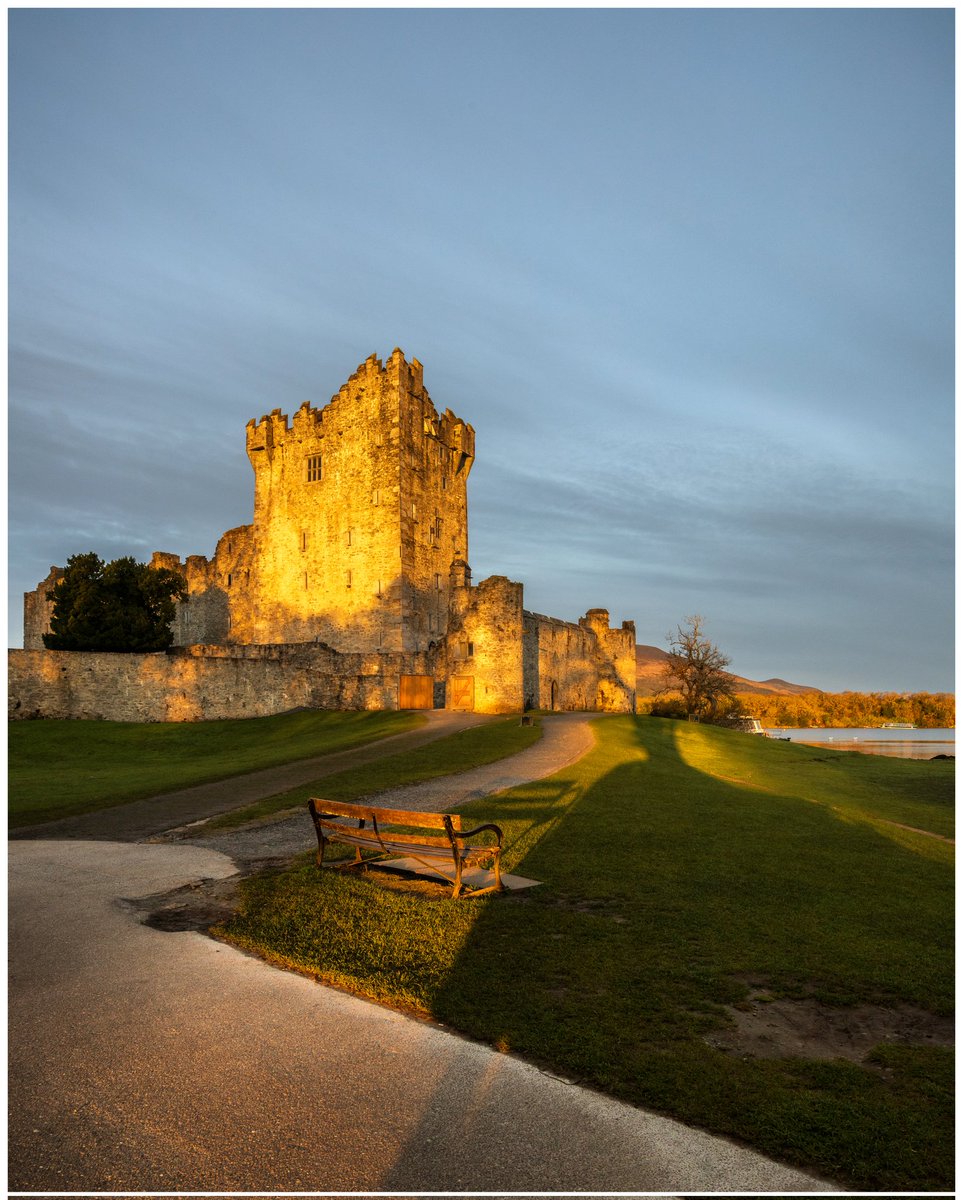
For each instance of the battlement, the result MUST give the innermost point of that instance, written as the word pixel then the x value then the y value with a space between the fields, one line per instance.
pixel 372 378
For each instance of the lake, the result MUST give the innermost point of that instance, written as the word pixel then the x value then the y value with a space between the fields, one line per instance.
pixel 901 743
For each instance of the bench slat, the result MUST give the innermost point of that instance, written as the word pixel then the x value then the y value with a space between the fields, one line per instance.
pixel 341 832
pixel 385 816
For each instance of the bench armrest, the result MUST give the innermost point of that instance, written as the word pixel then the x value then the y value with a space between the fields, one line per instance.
pixel 466 834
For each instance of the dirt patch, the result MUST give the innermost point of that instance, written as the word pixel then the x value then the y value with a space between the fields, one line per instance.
pixel 204 903
pixel 198 905
pixel 770 1028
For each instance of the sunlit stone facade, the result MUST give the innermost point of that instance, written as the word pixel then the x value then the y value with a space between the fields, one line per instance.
pixel 359 549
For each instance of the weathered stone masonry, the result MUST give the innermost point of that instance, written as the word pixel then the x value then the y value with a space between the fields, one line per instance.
pixel 350 589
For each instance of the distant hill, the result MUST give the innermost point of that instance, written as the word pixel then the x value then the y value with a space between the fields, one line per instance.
pixel 650 660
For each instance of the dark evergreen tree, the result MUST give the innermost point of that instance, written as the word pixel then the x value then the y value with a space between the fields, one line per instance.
pixel 121 606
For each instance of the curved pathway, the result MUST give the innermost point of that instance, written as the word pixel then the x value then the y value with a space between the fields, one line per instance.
pixel 565 738
pixel 149 1061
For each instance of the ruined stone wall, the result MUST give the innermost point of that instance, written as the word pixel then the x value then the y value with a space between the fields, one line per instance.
pixel 483 651
pixel 616 661
pixel 37 611
pixel 572 667
pixel 202 682
pixel 561 665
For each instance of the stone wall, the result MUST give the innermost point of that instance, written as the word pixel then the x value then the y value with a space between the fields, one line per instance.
pixel 562 664
pixel 572 667
pixel 37 611
pixel 484 647
pixel 202 682
pixel 616 661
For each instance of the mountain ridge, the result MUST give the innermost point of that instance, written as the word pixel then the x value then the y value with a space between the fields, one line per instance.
pixel 650 660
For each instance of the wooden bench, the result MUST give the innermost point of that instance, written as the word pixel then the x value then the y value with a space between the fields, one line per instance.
pixel 369 828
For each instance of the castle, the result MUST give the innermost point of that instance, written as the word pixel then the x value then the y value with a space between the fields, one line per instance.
pixel 350 589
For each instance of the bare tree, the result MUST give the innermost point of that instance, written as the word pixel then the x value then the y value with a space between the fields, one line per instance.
pixel 696 669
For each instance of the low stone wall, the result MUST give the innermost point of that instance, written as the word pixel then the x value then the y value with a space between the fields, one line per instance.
pixel 195 686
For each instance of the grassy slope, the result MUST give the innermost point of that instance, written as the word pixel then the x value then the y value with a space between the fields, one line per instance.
pixel 679 862
pixel 59 768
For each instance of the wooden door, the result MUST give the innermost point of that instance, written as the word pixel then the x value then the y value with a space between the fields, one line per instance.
pixel 463 692
pixel 416 691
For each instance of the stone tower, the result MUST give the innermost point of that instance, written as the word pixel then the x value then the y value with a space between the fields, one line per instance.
pixel 360 508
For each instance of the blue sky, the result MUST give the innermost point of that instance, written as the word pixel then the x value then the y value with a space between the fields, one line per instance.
pixel 689 273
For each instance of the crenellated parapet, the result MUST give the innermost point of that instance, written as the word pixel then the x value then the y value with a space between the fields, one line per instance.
pixel 372 380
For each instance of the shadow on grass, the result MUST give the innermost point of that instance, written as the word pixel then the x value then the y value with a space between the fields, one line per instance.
pixel 666 892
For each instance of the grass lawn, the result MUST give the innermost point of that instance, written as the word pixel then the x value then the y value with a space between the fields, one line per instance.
pixel 62 768
pixel 681 866
pixel 451 755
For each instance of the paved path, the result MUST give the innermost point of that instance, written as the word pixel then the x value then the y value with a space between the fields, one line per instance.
pixel 149 1061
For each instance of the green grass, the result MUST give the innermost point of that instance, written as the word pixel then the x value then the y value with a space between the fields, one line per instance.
pixel 678 863
pixel 451 755
pixel 62 768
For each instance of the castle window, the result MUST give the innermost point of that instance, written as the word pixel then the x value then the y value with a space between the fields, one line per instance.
pixel 376 496
pixel 444 483
pixel 304 539
pixel 379 592
pixel 230 580
pixel 471 649
pixel 347 537
pixel 305 579
pixel 437 583
pixel 314 470
pixel 347 579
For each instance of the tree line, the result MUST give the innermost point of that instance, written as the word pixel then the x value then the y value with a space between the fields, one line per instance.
pixel 853 710
pixel 697 686
pixel 829 710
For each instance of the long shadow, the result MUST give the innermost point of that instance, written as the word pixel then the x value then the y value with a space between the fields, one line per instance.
pixel 669 894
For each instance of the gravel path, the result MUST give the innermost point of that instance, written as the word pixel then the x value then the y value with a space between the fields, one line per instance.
pixel 565 738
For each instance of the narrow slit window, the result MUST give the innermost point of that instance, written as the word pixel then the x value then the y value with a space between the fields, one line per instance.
pixel 304 539
pixel 347 579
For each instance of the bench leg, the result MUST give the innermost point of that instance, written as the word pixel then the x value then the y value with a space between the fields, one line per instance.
pixel 319 857
pixel 456 890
